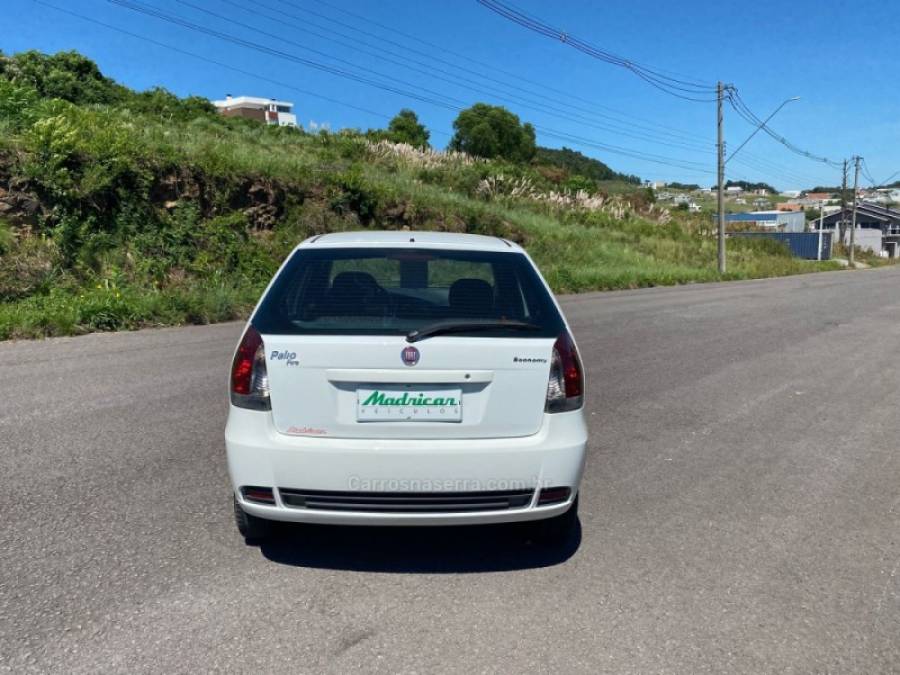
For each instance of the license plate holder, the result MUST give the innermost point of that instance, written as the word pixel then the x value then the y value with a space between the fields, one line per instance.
pixel 408 403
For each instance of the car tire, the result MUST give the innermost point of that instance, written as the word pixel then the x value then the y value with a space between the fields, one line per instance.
pixel 253 529
pixel 557 530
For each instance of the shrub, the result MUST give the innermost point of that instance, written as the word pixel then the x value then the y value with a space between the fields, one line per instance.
pixel 27 267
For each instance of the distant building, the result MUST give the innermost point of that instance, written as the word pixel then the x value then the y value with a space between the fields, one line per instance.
pixel 872 220
pixel 778 221
pixel 734 190
pixel 266 110
pixel 792 194
pixel 788 206
pixel 815 197
pixel 886 196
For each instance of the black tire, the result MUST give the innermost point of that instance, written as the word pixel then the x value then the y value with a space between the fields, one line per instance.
pixel 558 530
pixel 253 529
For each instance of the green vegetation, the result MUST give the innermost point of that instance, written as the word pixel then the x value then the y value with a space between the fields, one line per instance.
pixel 751 187
pixel 492 132
pixel 864 256
pixel 580 166
pixel 403 128
pixel 121 209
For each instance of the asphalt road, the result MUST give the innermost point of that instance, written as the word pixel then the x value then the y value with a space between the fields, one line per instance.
pixel 740 510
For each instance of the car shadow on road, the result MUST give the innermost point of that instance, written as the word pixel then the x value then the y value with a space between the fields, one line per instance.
pixel 435 550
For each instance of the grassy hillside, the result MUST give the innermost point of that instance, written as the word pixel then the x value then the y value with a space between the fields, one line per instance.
pixel 579 167
pixel 121 209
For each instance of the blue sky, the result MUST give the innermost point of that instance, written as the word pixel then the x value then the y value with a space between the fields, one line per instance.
pixel 839 59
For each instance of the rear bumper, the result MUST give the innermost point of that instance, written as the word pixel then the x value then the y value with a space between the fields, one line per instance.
pixel 260 456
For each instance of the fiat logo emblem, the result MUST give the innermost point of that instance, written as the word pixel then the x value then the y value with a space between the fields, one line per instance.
pixel 410 355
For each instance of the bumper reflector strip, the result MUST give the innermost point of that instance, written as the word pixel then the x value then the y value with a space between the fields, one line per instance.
pixel 262 495
pixel 553 495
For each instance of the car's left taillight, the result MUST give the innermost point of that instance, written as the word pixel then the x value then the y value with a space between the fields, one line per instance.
pixel 249 379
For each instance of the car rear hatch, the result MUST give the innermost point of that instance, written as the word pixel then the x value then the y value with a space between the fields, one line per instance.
pixel 390 343
pixel 461 387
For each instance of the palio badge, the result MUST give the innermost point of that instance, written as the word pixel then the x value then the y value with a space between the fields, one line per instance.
pixel 289 357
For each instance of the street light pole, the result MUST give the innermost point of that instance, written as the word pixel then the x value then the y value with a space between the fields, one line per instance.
pixel 764 122
pixel 720 91
pixel 821 225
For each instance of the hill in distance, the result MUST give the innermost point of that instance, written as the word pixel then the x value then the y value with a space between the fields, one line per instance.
pixel 121 209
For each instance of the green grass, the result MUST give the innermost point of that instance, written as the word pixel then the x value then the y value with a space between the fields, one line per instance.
pixel 61 312
pixel 168 215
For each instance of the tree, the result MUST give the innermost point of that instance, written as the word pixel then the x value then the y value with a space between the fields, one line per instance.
pixel 65 75
pixel 749 187
pixel 493 131
pixel 77 79
pixel 406 128
pixel 159 101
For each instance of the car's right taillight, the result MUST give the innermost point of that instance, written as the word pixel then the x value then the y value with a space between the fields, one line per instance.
pixel 249 378
pixel 565 390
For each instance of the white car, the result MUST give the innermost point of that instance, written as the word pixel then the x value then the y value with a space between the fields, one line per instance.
pixel 406 378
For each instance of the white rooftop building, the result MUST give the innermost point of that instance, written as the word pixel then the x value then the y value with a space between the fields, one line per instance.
pixel 268 110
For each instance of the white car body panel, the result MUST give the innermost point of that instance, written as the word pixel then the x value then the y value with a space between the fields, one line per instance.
pixel 312 439
pixel 259 455
pixel 506 399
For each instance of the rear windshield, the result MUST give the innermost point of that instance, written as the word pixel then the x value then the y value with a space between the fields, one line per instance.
pixel 388 291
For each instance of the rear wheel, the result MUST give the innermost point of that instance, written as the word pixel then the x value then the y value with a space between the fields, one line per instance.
pixel 253 529
pixel 557 530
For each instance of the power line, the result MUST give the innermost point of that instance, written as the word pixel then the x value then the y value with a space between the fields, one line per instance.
pixel 435 98
pixel 684 165
pixel 764 171
pixel 664 82
pixel 656 78
pixel 657 159
pixel 742 109
pixel 459 56
pixel 220 64
pixel 653 136
pixel 668 84
pixel 536 25
pixel 866 173
pixel 888 179
pixel 677 139
pixel 687 79
pixel 769 167
pixel 629 118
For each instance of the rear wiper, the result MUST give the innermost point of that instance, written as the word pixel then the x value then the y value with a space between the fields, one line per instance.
pixel 466 325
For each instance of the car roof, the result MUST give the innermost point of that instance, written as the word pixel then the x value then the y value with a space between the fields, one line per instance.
pixel 411 239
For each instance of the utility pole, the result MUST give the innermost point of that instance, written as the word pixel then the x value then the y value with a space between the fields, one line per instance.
pixel 842 227
pixel 720 90
pixel 853 223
